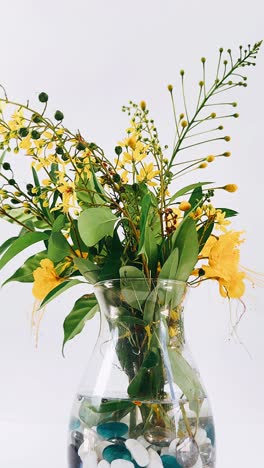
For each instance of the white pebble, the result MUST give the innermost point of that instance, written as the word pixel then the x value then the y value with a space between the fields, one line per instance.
pixel 200 436
pixel 103 464
pixel 154 459
pixel 90 460
pixel 138 452
pixel 198 464
pixel 165 451
pixel 207 441
pixel 120 463
pixel 172 447
pixel 100 448
pixel 141 439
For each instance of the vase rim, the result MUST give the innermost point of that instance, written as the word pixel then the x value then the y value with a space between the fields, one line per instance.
pixel 165 282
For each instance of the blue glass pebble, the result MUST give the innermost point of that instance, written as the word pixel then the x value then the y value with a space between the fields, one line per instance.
pixel 114 452
pixel 210 432
pixel 112 429
pixel 170 462
pixel 74 424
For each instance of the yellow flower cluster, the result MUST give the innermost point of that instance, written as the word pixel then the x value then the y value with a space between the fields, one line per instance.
pixel 223 263
pixel 45 279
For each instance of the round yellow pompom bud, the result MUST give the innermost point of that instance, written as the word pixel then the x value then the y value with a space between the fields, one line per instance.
pixel 203 165
pixel 184 123
pixel 184 206
pixel 181 116
pixel 227 154
pixel 230 188
pixel 210 158
pixel 227 138
pixel 143 105
pixel 213 115
pixel 170 88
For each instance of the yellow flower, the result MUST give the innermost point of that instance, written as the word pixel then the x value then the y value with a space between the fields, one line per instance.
pixel 223 264
pixel 45 279
pixel 147 173
pixel 221 221
pixel 26 143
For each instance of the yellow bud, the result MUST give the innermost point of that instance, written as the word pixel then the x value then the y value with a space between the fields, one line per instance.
pixel 35 200
pixel 45 203
pixel 26 205
pixel 227 154
pixel 170 88
pixel 203 165
pixel 143 105
pixel 227 138
pixel 43 196
pixel 184 206
pixel 184 123
pixel 46 182
pixel 230 188
pixel 17 194
pixel 132 142
pixel 34 190
pixel 181 116
pixel 213 115
pixel 201 83
pixel 210 158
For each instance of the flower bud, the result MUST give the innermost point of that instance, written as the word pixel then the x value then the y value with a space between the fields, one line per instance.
pixel 203 165
pixel 35 135
pixel 213 115
pixel 210 158
pixel 184 206
pixel 230 188
pixel 58 115
pixel 182 72
pixel 118 150
pixel 184 123
pixel 170 88
pixel 23 132
pixel 143 105
pixel 227 138
pixel 6 166
pixel 227 154
pixel 43 97
pixel 203 59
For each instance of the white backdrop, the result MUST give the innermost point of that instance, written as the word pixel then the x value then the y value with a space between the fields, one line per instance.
pixel 92 57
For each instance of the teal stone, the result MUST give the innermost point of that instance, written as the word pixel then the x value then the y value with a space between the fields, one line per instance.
pixel 112 429
pixel 170 462
pixel 74 424
pixel 210 432
pixel 115 452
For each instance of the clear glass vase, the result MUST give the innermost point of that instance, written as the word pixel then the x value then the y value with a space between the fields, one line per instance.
pixel 141 402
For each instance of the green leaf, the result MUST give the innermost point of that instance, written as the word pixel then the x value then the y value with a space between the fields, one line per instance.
pixel 187 243
pixel 135 292
pixel 228 212
pixel 21 244
pixel 2 157
pixel 185 376
pixel 112 262
pixel 196 198
pixel 55 292
pixel 59 223
pixel 187 189
pixel 151 306
pixel 96 223
pixel 170 267
pixel 7 243
pixel 24 274
pixel 150 249
pixel 145 206
pixel 58 247
pixel 89 270
pixel 144 382
pixel 84 309
pixel 130 320
pixel 204 233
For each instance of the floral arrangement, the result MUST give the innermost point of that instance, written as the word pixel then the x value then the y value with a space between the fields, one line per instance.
pixel 97 217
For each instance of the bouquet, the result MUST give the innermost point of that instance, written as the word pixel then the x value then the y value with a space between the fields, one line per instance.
pixel 129 214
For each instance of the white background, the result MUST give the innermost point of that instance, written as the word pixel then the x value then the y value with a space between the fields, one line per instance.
pixel 92 57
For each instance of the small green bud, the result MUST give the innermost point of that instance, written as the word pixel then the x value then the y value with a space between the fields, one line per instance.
pixel 12 182
pixel 35 135
pixel 182 72
pixel 229 51
pixel 234 104
pixel 236 116
pixel 29 187
pixel 203 59
pixel 225 62
pixel 230 83
pixel 64 157
pixel 59 150
pixel 80 146
pixel 6 166
pixel 116 178
pixel 58 115
pixel 43 97
pixel 221 50
pixel 118 150
pixel 14 201
pixel 170 88
pixel 36 118
pixel 201 83
pixel 221 127
pixel 23 132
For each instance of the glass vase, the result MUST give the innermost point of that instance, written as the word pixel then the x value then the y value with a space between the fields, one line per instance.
pixel 141 402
